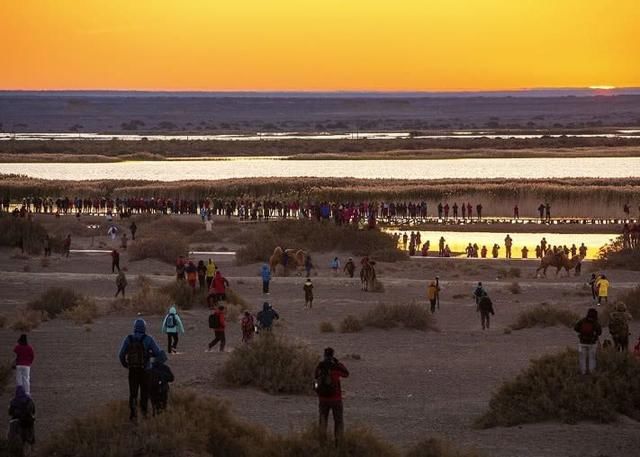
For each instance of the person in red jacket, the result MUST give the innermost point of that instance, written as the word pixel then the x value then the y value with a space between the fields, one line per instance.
pixel 218 324
pixel 327 386
pixel 218 289
pixel 24 360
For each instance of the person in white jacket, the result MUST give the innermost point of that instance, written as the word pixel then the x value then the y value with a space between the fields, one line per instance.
pixel 172 326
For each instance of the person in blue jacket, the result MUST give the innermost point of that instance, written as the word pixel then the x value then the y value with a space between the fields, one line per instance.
pixel 172 326
pixel 266 277
pixel 267 316
pixel 135 354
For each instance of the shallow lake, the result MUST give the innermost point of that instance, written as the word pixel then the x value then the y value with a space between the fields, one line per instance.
pixel 176 170
pixel 457 241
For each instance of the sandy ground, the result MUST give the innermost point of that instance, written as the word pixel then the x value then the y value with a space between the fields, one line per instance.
pixel 408 385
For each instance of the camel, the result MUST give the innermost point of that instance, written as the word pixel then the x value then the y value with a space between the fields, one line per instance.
pixel 559 261
pixel 295 259
pixel 368 276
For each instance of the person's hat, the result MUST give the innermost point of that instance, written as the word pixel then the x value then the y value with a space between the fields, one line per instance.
pixel 329 352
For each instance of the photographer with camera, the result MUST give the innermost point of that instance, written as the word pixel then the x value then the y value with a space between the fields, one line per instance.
pixel 327 386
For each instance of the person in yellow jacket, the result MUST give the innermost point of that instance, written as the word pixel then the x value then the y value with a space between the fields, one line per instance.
pixel 211 272
pixel 432 295
pixel 602 287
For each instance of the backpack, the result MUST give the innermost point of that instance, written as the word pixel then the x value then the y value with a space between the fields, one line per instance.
pixel 618 325
pixel 587 328
pixel 214 321
pixel 323 384
pixel 171 321
pixel 136 353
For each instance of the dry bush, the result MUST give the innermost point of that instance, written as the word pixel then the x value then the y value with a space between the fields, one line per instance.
pixel 26 320
pixel 553 389
pixel 85 312
pixel 545 315
pixel 515 288
pixel 412 315
pixel 434 447
pixel 182 295
pixel 512 272
pixel 14 230
pixel 350 324
pixel 56 300
pixel 199 426
pixel 273 364
pixel 164 246
pixel 327 327
pixel 6 373
pixel 614 256
pixel 319 237
pixel 148 300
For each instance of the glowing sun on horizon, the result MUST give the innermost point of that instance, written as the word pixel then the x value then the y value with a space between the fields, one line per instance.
pixel 602 87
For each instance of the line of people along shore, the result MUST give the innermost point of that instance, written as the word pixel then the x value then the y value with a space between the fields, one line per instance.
pixel 413 244
pixel 344 212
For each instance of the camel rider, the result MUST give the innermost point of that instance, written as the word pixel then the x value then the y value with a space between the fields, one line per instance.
pixel 285 258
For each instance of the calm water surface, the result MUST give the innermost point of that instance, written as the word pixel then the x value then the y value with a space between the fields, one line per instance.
pixel 176 170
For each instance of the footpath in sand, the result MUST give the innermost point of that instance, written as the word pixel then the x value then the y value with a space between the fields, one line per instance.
pixel 407 385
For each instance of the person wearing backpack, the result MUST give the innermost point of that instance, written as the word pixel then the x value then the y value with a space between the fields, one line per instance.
pixel 327 386
pixel 589 330
pixel 22 414
pixel 217 324
pixel 172 326
pixel 478 293
pixel 619 327
pixel 161 376
pixel 267 316
pixel 135 355
pixel 24 359
pixel 485 307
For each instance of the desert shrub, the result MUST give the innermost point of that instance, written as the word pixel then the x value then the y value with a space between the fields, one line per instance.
pixel 434 447
pixel 545 315
pixel 327 327
pixel 319 237
pixel 6 373
pixel 147 300
pixel 85 312
pixel 512 272
pixel 615 256
pixel 199 426
pixel 273 364
pixel 350 324
pixel 515 288
pixel 553 389
pixel 411 315
pixel 182 295
pixel 26 320
pixel 14 231
pixel 631 298
pixel 56 300
pixel 164 246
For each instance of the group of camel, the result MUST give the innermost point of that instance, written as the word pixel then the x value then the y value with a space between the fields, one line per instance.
pixel 286 260
pixel 295 260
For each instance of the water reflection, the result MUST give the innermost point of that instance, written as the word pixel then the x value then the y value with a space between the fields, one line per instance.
pixel 458 241
pixel 526 168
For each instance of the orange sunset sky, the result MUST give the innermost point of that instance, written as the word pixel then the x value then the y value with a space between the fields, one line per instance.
pixel 318 45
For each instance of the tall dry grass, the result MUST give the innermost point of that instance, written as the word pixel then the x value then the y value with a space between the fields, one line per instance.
pixel 545 315
pixel 273 364
pixel 410 315
pixel 552 389
pixel 317 237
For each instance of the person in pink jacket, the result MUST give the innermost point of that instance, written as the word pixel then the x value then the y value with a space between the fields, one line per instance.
pixel 24 360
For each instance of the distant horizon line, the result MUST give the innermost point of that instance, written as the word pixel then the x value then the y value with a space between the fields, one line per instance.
pixel 536 91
